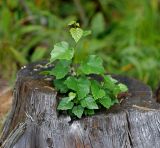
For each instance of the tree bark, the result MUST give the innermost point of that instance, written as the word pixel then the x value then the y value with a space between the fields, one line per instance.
pixel 34 122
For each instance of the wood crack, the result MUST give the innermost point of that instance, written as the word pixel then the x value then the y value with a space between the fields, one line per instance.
pixel 90 141
pixel 129 130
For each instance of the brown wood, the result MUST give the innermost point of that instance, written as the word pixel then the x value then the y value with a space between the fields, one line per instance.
pixel 34 122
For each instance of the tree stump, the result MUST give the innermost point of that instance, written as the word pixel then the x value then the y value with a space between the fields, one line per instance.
pixel 34 122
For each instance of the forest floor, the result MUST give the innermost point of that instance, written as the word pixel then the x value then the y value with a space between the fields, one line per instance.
pixel 5 100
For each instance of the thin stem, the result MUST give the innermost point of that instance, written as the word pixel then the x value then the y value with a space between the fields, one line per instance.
pixel 81 12
pixel 74 64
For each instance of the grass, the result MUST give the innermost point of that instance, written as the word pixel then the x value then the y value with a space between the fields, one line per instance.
pixel 126 35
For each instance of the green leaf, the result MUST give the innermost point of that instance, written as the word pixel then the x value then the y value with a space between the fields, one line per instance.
pixel 72 95
pixel 97 92
pixel 65 104
pixel 114 101
pixel 6 16
pixel 98 24
pixel 122 87
pixel 109 82
pixel 89 103
pixel 59 84
pixel 73 23
pixel 89 112
pixel 109 78
pixel 119 89
pixel 106 102
pixel 12 4
pixel 71 82
pixel 81 85
pixel 45 72
pixel 78 111
pixel 76 33
pixel 38 54
pixel 18 56
pixel 87 32
pixel 61 69
pixel 93 65
pixel 116 90
pixel 62 51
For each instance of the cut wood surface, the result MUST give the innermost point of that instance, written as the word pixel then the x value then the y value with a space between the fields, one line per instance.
pixel 35 123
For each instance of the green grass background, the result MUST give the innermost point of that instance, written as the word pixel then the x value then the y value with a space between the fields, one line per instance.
pixel 126 34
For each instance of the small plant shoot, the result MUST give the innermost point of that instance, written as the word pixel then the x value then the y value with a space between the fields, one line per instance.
pixel 82 93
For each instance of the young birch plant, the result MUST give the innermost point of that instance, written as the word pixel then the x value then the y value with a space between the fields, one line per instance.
pixel 83 94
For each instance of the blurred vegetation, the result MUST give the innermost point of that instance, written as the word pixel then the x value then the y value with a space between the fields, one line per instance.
pixel 125 33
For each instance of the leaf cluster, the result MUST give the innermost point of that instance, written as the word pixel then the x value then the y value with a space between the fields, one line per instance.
pixel 83 94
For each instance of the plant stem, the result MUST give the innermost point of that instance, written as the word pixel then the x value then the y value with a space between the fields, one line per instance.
pixel 74 64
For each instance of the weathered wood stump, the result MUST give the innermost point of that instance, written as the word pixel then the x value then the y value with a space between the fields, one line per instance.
pixel 34 122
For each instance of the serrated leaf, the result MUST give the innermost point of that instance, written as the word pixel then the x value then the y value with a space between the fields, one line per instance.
pixel 116 90
pixel 71 82
pixel 78 111
pixel 97 92
pixel 109 82
pixel 61 69
pixel 81 85
pixel 89 103
pixel 122 87
pixel 65 104
pixel 62 51
pixel 59 84
pixel 93 65
pixel 106 102
pixel 72 95
pixel 109 78
pixel 119 88
pixel 76 33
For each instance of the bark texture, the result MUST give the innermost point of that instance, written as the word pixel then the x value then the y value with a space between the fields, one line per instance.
pixel 33 121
